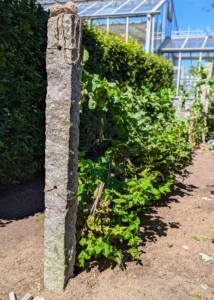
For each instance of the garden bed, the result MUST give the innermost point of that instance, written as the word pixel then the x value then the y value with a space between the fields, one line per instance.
pixel 174 231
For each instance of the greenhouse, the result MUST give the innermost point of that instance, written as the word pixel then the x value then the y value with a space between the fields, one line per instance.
pixel 149 21
pixel 154 24
pixel 187 50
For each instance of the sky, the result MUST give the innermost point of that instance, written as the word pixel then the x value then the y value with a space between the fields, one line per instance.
pixel 190 13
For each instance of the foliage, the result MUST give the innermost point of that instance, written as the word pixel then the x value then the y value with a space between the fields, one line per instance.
pixel 136 170
pixel 211 142
pixel 197 297
pixel 193 71
pixel 23 81
pixel 198 119
pixel 210 117
pixel 96 128
pixel 22 88
pixel 125 62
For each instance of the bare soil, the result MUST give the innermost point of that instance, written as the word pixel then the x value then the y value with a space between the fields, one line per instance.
pixel 170 267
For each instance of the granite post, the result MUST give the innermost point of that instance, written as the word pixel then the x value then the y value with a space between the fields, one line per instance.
pixel 61 155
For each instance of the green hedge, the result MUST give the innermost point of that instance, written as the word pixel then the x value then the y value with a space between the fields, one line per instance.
pixel 127 64
pixel 22 88
pixel 111 57
pixel 23 40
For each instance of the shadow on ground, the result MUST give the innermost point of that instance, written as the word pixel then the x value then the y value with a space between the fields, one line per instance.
pixel 24 200
pixel 152 227
pixel 21 200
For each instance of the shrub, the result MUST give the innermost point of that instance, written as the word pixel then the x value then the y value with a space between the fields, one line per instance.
pixel 23 85
pixel 22 88
pixel 111 57
pixel 210 119
pixel 138 168
pixel 96 128
pixel 127 64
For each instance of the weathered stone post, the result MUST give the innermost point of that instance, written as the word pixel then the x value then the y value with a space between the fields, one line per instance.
pixel 62 137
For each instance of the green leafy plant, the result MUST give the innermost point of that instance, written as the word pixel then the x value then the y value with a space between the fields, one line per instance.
pixel 195 238
pixel 201 121
pixel 211 142
pixel 125 62
pixel 210 117
pixel 197 297
pixel 127 65
pixel 137 169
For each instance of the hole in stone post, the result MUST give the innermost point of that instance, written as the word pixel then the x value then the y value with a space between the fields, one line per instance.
pixel 59 47
pixel 55 187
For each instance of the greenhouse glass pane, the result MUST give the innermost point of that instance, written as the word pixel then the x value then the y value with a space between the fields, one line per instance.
pixel 159 30
pixel 128 7
pixel 109 9
pixel 194 55
pixel 174 58
pixel 95 8
pixel 118 26
pixel 102 23
pixel 84 9
pixel 209 43
pixel 189 70
pixel 207 57
pixel 175 43
pixel 137 29
pixel 147 6
pixel 194 43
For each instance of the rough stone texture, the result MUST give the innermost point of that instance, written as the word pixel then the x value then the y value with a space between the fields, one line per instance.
pixel 61 155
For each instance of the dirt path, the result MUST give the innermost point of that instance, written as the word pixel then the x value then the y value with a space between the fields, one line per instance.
pixel 171 267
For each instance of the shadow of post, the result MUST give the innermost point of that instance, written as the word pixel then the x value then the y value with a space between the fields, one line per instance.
pixel 26 199
pixel 22 200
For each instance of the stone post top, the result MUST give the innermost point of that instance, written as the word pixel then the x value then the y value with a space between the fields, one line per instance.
pixel 66 18
pixel 69 8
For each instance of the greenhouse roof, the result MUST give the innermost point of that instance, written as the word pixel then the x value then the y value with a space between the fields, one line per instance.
pixel 190 43
pixel 112 8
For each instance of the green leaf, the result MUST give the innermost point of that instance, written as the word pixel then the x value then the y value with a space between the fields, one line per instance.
pixel 195 238
pixel 92 104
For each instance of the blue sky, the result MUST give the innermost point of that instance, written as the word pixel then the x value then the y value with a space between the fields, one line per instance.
pixel 190 14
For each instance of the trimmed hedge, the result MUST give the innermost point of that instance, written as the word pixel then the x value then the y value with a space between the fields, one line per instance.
pixel 111 57
pixel 23 85
pixel 22 88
